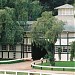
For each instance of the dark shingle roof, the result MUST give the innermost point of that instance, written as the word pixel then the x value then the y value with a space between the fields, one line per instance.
pixel 27 26
pixel 70 28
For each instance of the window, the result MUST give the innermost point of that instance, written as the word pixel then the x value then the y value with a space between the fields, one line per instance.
pixel 4 47
pixel 29 48
pixel 12 47
pixel 56 48
pixel 25 47
pixel 29 40
pixel 64 48
pixel 26 40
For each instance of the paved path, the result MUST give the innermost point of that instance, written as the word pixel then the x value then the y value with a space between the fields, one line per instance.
pixel 27 66
pixel 17 66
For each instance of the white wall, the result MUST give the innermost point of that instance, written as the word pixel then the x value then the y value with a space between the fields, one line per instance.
pixel 68 19
pixel 18 55
pixel 63 57
pixel 64 11
pixel 18 47
pixel 5 54
pixel 11 54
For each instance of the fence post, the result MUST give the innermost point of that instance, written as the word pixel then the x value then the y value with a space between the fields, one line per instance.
pixel 51 68
pixel 16 73
pixel 4 72
pixel 63 69
pixel 28 73
pixel 40 73
pixel 34 64
pixel 41 68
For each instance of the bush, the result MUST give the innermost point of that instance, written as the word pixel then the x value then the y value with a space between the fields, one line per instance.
pixel 72 51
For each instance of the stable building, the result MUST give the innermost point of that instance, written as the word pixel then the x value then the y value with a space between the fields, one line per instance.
pixel 23 50
pixel 66 14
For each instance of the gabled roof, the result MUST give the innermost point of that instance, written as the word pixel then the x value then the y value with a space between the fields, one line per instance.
pixel 65 6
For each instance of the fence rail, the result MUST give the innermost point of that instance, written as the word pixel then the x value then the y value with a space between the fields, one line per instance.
pixel 27 72
pixel 34 64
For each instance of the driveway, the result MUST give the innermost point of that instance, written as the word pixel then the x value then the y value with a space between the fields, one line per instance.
pixel 27 66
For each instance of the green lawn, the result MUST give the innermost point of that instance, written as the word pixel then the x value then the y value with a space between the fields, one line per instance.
pixel 5 59
pixel 12 62
pixel 1 72
pixel 59 64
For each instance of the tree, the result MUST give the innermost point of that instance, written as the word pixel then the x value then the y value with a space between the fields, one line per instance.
pixel 27 9
pixel 9 27
pixel 13 11
pixel 3 3
pixel 45 31
pixel 21 9
pixel 36 10
pixel 72 51
pixel 49 5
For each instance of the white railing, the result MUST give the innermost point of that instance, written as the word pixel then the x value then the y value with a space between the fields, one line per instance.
pixel 11 60
pixel 27 72
pixel 34 64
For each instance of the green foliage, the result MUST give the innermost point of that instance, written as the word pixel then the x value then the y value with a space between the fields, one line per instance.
pixel 21 7
pixel 46 27
pixel 9 27
pixel 51 4
pixel 72 51
pixel 3 3
pixel 27 9
pixel 36 9
pixel 16 10
pixel 59 53
pixel 45 32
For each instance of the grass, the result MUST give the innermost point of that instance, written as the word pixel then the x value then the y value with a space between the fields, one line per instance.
pixel 10 73
pixel 59 64
pixel 65 64
pixel 12 62
pixel 1 72
pixel 5 59
pixel 22 73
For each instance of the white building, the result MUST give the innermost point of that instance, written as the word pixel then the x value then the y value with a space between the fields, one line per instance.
pixel 66 14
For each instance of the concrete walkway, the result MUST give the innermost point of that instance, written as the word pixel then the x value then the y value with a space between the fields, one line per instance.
pixel 27 66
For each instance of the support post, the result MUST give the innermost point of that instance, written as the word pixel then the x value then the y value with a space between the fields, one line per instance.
pixel 67 47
